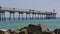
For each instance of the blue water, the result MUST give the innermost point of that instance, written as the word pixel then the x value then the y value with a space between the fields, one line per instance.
pixel 17 24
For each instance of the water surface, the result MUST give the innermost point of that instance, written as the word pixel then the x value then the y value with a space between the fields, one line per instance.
pixel 17 24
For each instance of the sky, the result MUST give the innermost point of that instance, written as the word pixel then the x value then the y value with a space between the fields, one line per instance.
pixel 42 5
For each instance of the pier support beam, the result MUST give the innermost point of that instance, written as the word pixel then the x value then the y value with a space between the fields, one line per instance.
pixel 0 16
pixel 10 15
pixel 27 14
pixel 29 17
pixel 54 16
pixel 4 16
pixel 51 15
pixel 13 16
pixel 48 16
pixel 19 16
pixel 33 16
pixel 0 13
pixel 22 17
pixel 38 16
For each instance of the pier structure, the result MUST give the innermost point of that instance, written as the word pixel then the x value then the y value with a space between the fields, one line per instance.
pixel 48 15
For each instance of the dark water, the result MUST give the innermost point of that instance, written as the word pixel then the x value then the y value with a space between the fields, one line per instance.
pixel 17 24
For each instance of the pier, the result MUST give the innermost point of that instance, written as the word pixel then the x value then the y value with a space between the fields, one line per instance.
pixel 33 14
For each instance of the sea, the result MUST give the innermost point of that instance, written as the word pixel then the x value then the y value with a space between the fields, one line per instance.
pixel 51 24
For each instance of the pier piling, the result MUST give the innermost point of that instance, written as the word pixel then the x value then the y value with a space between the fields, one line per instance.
pixel 9 16
pixel 0 16
pixel 19 17
pixel 13 17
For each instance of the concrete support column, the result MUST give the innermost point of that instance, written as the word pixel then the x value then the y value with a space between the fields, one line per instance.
pixel 54 16
pixel 0 16
pixel 47 16
pixel 33 16
pixel 44 16
pixel 38 16
pixel 20 13
pixel 29 16
pixel 13 17
pixel 19 17
pixel 22 16
pixel 26 15
pixel 4 16
pixel 51 16
pixel 10 17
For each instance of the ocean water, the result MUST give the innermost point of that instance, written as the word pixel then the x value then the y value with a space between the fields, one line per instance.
pixel 17 24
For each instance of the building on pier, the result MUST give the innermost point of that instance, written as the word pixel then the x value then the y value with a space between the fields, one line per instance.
pixel 33 14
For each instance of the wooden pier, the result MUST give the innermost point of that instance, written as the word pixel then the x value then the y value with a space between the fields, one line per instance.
pixel 46 14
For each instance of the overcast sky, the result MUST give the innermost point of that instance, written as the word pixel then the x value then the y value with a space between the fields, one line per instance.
pixel 43 5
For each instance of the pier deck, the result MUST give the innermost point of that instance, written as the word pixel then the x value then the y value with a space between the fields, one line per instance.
pixel 48 15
